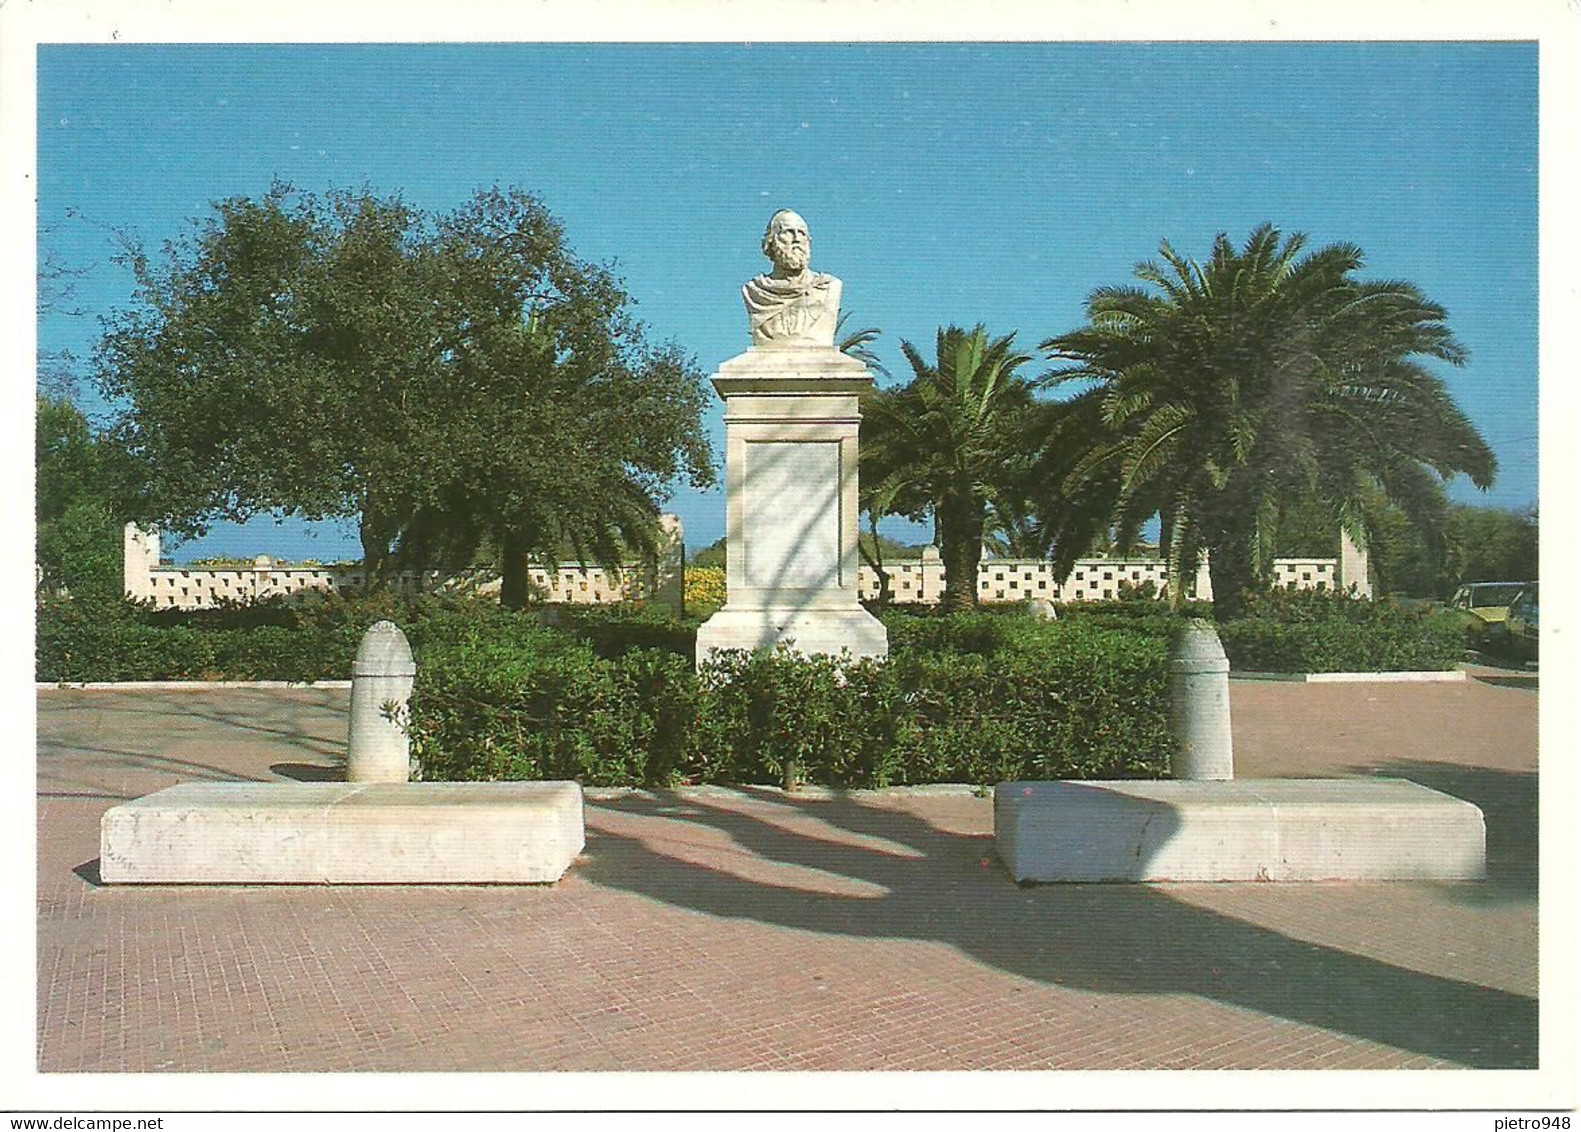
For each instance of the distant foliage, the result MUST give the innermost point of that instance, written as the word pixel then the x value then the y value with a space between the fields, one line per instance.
pixel 1460 543
pixel 1489 544
pixel 80 492
pixel 712 555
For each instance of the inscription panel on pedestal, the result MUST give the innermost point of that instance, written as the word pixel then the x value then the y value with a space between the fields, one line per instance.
pixel 792 514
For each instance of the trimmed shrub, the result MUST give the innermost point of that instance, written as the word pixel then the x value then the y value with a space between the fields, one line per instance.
pixel 1313 631
pixel 615 629
pixel 73 644
pixel 610 696
pixel 92 641
pixel 316 639
pixel 1030 699
pixel 505 709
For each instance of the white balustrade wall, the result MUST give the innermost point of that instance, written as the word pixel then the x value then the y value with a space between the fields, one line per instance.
pixel 176 587
pixel 911 580
pixel 1091 579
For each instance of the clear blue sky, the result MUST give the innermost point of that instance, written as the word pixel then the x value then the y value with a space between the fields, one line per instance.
pixel 944 183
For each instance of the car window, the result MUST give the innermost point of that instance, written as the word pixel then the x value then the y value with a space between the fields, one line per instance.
pixel 1484 596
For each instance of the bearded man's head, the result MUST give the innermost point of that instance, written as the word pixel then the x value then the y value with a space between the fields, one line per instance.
pixel 787 243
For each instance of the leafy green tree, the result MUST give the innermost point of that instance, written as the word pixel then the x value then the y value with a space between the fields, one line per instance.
pixel 1489 544
pixel 454 382
pixel 565 426
pixel 714 554
pixel 81 490
pixel 1466 543
pixel 1479 544
pixel 1225 390
pixel 950 444
pixel 56 296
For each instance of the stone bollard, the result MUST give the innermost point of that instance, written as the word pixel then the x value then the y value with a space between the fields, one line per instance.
pixel 1042 609
pixel 1199 692
pixel 377 748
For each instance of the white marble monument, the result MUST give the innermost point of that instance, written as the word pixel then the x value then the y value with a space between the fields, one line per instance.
pixel 791 419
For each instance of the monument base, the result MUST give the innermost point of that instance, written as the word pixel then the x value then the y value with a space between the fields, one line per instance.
pixel 1272 829
pixel 826 632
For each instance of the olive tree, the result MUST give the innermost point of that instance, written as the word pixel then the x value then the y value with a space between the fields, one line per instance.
pixel 450 381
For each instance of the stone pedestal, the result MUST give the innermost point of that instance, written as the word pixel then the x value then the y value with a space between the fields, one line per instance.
pixel 791 512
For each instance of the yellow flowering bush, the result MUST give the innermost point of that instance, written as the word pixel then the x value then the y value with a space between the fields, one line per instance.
pixel 705 589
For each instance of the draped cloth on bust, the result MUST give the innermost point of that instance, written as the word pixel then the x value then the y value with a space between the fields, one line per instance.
pixel 792 312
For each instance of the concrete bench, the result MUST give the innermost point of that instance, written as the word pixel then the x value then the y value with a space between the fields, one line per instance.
pixel 344 833
pixel 1282 829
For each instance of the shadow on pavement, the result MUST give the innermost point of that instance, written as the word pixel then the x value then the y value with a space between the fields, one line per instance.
pixel 152 733
pixel 89 871
pixel 927 884
pixel 309 772
pixel 1508 801
pixel 1508 679
pixel 94 795
pixel 120 758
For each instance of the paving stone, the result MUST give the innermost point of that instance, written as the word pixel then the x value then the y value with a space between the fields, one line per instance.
pixel 751 930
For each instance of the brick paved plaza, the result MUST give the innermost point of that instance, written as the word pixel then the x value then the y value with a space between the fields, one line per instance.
pixel 750 930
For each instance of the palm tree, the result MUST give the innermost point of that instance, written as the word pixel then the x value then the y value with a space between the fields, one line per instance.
pixel 949 443
pixel 1227 389
pixel 858 344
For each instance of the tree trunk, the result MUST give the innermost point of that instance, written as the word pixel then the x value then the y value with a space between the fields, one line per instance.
pixel 1176 579
pixel 961 532
pixel 513 570
pixel 374 535
pixel 875 561
pixel 1233 571
pixel 886 593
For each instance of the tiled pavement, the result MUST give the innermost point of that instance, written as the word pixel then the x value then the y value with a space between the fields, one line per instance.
pixel 720 930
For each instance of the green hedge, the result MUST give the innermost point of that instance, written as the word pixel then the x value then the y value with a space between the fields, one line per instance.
pixel 313 639
pixel 975 698
pixel 1287 631
pixel 610 696
pixel 75 643
pixel 1314 631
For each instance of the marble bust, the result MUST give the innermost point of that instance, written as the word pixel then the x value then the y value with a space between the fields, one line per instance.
pixel 791 305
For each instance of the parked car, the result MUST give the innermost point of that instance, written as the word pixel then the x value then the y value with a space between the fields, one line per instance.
pixel 1482 607
pixel 1520 625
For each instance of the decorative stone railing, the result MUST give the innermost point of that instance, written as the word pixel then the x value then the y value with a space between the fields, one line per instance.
pixel 1092 579
pixel 176 587
pixel 911 580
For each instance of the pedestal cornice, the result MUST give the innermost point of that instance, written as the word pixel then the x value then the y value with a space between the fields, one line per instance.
pixel 792 370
